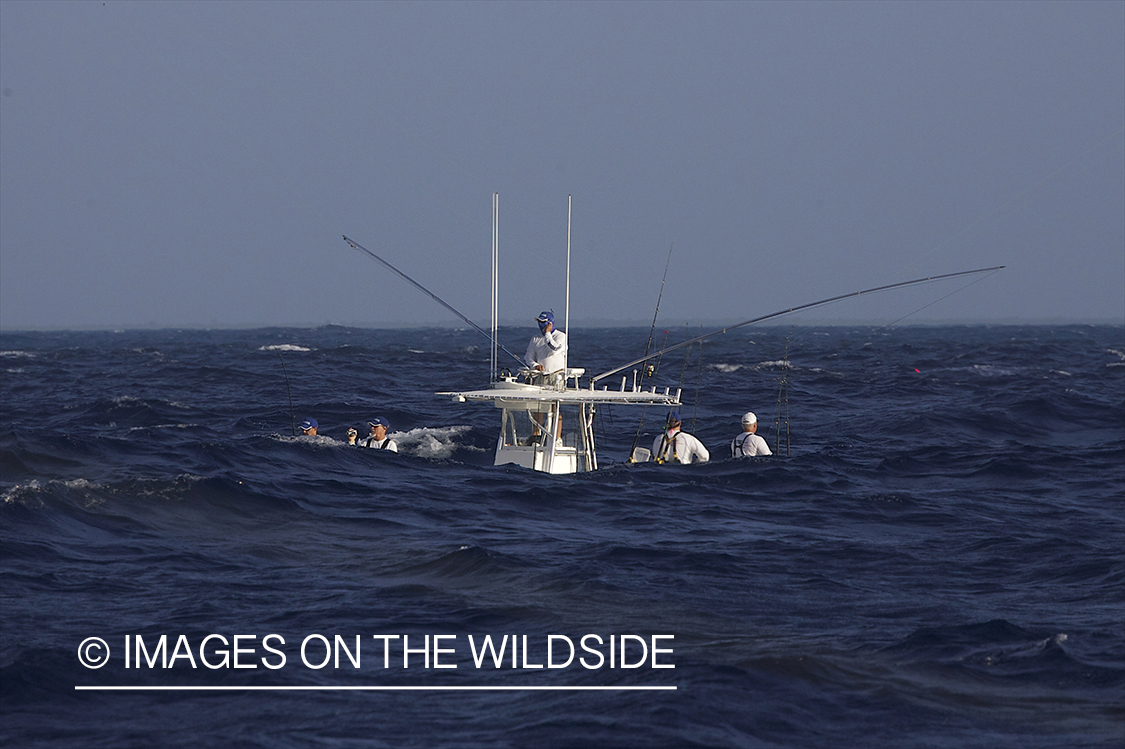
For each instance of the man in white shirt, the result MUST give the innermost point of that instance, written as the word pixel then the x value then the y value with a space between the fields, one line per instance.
pixel 749 444
pixel 378 438
pixel 546 355
pixel 546 352
pixel 675 446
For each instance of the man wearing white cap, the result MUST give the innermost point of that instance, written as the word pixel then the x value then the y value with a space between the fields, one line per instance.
pixel 748 444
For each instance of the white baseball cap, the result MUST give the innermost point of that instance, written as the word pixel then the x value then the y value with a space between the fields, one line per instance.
pixel 749 418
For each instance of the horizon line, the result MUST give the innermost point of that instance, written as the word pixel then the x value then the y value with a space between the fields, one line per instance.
pixel 706 322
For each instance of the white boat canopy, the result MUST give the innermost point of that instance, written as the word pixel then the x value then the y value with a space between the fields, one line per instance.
pixel 549 426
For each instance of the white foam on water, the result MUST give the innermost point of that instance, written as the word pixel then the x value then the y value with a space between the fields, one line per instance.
pixel 432 442
pixel 161 426
pixel 31 491
pixel 283 347
pixel 21 491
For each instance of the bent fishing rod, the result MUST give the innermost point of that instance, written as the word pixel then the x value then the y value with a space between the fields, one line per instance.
pixel 810 305
pixel 648 347
pixel 435 297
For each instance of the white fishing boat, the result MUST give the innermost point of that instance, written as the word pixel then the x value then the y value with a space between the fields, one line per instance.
pixel 547 419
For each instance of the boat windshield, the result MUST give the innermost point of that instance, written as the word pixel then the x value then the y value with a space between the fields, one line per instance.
pixel 524 428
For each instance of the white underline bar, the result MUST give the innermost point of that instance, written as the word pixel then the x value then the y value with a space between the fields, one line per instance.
pixel 373 689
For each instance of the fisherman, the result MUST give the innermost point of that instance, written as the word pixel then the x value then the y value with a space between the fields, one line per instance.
pixel 546 352
pixel 308 427
pixel 674 445
pixel 749 444
pixel 378 438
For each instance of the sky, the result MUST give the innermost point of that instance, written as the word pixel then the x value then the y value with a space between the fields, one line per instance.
pixel 195 164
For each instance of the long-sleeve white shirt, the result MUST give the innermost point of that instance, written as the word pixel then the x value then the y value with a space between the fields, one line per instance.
pixel 549 350
pixel 747 445
pixel 680 446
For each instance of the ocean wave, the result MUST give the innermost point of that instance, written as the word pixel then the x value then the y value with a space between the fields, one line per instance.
pixel 437 443
pixel 466 561
pixel 90 494
pixel 284 347
pixel 162 426
pixel 992 370
pixel 321 440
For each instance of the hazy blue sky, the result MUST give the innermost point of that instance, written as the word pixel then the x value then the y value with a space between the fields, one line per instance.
pixel 183 164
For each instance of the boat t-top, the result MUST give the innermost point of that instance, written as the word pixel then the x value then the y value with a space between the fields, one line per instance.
pixel 546 419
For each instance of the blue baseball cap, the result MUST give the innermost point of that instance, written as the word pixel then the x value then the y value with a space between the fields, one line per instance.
pixel 308 424
pixel 673 417
pixel 545 317
pixel 379 421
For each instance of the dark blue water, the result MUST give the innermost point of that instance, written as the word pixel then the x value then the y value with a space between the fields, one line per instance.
pixel 938 561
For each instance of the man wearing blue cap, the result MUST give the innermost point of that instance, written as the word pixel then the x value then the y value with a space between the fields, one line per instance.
pixel 378 438
pixel 674 446
pixel 546 353
pixel 308 427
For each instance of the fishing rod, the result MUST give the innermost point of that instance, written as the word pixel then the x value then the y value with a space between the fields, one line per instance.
pixel 435 297
pixel 650 371
pixel 783 389
pixel 810 305
pixel 652 330
pixel 698 384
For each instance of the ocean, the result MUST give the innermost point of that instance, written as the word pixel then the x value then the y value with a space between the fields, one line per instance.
pixel 935 557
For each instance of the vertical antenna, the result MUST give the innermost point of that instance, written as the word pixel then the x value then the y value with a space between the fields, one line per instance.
pixel 566 322
pixel 495 263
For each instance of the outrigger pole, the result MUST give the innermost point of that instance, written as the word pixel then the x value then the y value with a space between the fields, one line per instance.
pixel 435 297
pixel 772 315
pixel 495 263
pixel 566 311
